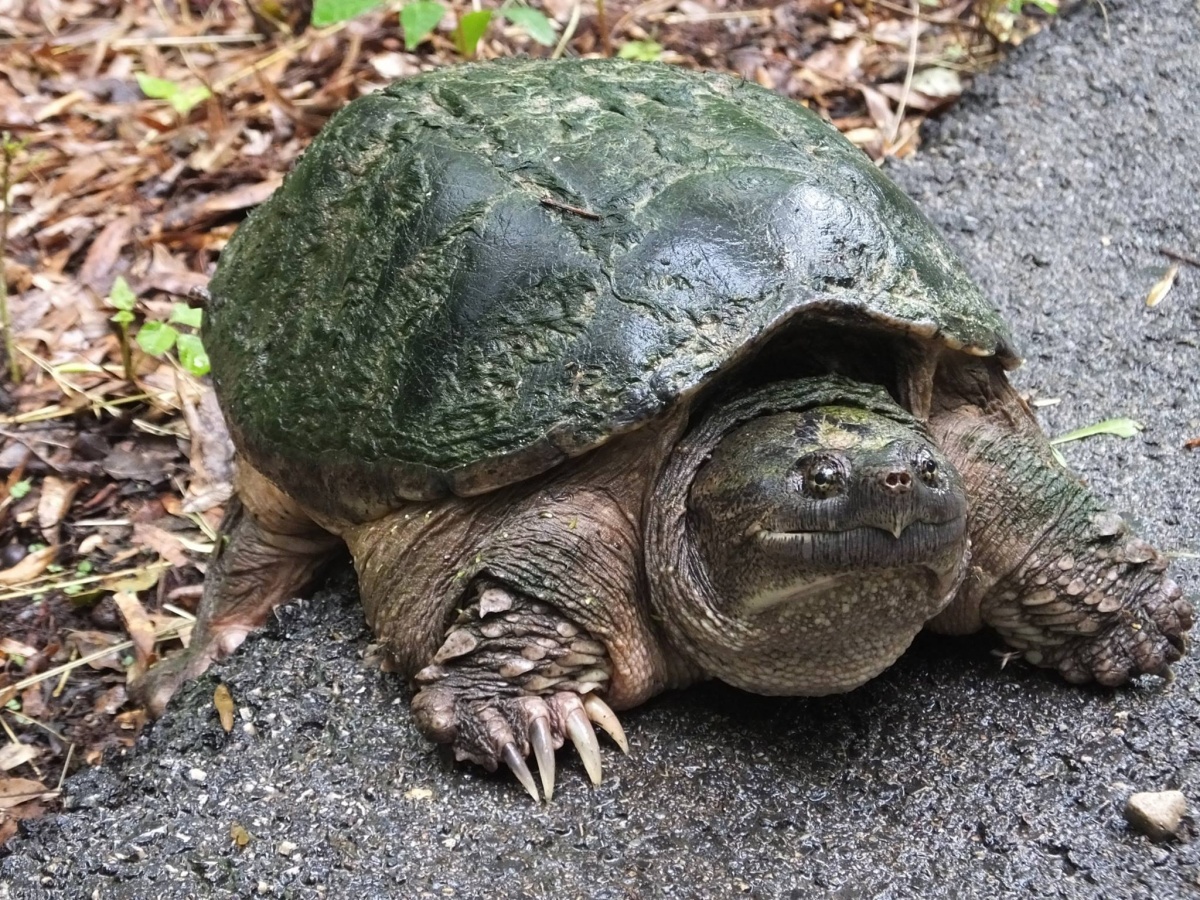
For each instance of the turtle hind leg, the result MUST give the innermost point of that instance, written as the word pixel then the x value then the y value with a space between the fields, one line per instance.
pixel 267 551
pixel 1059 577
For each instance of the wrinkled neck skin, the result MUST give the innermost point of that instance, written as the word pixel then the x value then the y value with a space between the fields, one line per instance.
pixel 802 534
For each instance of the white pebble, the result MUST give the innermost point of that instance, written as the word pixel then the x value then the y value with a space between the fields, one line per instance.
pixel 1156 814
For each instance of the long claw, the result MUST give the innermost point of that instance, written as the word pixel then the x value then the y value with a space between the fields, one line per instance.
pixel 515 762
pixel 600 713
pixel 543 752
pixel 584 739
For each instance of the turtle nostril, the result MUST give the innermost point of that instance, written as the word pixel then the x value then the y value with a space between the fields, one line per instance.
pixel 898 481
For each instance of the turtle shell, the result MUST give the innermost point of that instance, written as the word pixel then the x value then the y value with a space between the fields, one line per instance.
pixel 487 269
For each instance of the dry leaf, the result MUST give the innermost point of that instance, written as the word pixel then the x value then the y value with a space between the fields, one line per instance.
pixel 211 450
pixel 137 622
pixel 14 791
pixel 241 837
pixel 90 544
pixel 53 504
pixel 147 461
pixel 110 701
pixel 33 701
pixel 29 568
pixel 880 109
pixel 165 543
pixel 89 642
pixel 937 82
pixel 223 701
pixel 179 627
pixel 13 755
pixel 131 720
pixel 13 647
pixel 191 215
pixel 98 267
pixel 141 580
pixel 914 101
pixel 1163 286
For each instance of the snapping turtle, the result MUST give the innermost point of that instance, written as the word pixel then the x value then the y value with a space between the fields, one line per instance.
pixel 614 377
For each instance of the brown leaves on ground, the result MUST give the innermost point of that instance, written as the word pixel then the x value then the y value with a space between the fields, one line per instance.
pixel 114 464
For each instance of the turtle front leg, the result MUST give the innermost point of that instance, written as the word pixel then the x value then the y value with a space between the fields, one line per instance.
pixel 516 677
pixel 1059 577
pixel 520 615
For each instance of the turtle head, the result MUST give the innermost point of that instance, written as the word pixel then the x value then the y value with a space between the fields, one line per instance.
pixel 821 540
pixel 791 499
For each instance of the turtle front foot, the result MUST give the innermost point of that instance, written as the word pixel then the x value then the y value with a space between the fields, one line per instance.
pixel 1147 632
pixel 515 678
pixel 1106 612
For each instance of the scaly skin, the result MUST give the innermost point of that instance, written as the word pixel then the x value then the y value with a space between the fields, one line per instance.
pixel 515 677
pixel 1059 577
pixel 528 615
pixel 792 511
pixel 520 614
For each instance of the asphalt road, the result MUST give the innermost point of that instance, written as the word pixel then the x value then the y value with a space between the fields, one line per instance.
pixel 1060 179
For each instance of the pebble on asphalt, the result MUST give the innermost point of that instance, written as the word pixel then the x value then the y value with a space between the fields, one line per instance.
pixel 1156 814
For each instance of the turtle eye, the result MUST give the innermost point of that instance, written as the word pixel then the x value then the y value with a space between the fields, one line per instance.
pixel 823 477
pixel 927 468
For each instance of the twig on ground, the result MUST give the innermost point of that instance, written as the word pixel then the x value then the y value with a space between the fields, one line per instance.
pixel 167 631
pixel 66 766
pixel 1180 257
pixel 193 40
pixel 908 76
pixel 287 51
pixel 569 31
pixel 9 147
pixel 602 27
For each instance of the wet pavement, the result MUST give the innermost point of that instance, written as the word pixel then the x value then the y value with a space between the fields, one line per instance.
pixel 1060 178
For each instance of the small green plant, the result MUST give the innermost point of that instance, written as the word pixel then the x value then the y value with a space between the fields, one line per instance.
pixel 183 98
pixel 21 489
pixel 533 22
pixel 158 338
pixel 122 298
pixel 470 30
pixel 330 12
pixel 418 19
pixel 641 51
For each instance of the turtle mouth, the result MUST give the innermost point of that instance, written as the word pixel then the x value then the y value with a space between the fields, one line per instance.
pixel 866 546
